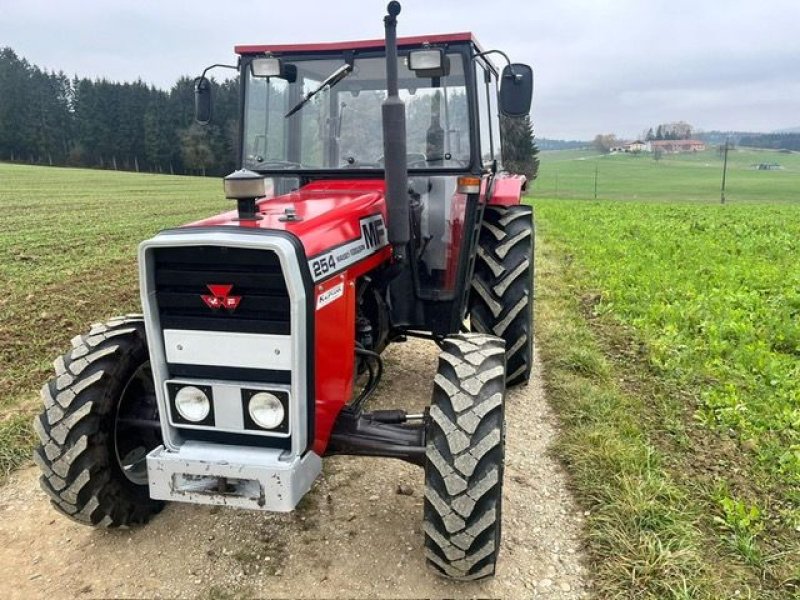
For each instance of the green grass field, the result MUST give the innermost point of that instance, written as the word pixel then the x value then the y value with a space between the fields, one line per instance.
pixel 670 330
pixel 68 241
pixel 676 177
pixel 668 325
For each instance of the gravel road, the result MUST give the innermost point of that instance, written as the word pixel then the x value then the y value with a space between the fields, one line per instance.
pixel 357 534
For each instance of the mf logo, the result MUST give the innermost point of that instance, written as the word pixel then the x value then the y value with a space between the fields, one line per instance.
pixel 220 298
pixel 373 232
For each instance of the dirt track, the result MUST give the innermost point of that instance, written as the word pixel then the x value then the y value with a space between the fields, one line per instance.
pixel 353 536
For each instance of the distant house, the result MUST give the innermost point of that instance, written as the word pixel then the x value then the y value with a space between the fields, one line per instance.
pixel 629 147
pixel 637 146
pixel 677 146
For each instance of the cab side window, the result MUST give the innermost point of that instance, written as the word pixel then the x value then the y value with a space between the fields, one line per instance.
pixel 494 119
pixel 489 116
pixel 484 113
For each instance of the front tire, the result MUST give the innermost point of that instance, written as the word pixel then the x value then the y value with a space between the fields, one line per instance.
pixel 501 301
pixel 92 445
pixel 465 458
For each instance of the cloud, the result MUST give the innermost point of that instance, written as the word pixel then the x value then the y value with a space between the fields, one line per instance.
pixel 600 66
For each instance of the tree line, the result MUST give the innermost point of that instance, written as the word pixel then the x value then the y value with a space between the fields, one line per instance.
pixel 775 141
pixel 49 118
pixel 680 130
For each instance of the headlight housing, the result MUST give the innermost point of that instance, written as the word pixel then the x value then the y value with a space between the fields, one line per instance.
pixel 192 404
pixel 266 410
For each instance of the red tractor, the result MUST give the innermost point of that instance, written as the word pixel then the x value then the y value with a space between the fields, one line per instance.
pixel 258 324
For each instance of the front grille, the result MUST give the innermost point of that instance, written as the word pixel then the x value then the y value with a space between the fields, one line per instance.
pixel 182 277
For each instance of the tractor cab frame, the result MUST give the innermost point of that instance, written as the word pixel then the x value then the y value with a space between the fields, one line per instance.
pixel 296 129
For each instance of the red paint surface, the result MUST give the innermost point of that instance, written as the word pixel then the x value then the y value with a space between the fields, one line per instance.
pixel 334 356
pixel 441 38
pixel 507 189
pixel 458 209
pixel 329 213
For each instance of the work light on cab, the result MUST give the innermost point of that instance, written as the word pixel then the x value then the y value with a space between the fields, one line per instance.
pixel 266 67
pixel 430 62
pixel 273 67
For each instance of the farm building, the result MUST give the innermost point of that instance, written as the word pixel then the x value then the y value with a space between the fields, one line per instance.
pixel 676 146
pixel 637 146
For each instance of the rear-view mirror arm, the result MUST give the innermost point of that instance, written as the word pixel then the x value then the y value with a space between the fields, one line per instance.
pixel 207 69
pixel 517 76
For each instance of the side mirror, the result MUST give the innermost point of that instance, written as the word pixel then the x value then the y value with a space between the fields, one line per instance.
pixel 429 62
pixel 202 100
pixel 516 90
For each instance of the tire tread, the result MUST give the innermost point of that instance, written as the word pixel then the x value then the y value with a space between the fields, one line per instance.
pixel 501 299
pixel 464 458
pixel 73 450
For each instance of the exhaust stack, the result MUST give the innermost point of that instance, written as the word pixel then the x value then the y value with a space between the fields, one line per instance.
pixel 394 144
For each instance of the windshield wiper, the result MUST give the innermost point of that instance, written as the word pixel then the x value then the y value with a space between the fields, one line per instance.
pixel 330 81
pixel 277 163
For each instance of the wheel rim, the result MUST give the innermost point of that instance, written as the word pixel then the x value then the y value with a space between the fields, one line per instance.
pixel 137 429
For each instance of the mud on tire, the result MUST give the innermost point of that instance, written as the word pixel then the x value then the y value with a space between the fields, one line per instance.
pixel 464 458
pixel 501 300
pixel 78 453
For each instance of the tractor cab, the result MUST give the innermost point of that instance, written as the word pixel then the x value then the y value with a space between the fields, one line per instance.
pixel 313 112
pixel 336 131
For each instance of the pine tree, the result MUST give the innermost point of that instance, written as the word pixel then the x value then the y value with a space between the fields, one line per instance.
pixel 196 148
pixel 18 132
pixel 520 154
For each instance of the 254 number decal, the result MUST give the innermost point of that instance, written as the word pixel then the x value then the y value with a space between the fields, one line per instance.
pixel 323 265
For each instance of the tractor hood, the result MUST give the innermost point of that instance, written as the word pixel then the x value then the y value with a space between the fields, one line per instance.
pixel 322 214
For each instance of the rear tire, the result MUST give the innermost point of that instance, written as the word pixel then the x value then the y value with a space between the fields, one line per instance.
pixel 465 457
pixel 92 464
pixel 501 300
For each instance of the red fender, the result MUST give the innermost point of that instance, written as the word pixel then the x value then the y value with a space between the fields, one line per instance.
pixel 507 189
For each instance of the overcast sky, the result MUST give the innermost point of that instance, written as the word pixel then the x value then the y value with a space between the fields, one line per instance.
pixel 601 66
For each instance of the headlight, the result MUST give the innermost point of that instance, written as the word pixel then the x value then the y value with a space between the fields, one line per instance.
pixel 192 403
pixel 266 410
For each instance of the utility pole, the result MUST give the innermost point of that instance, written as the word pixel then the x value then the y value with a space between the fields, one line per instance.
pixel 595 180
pixel 724 173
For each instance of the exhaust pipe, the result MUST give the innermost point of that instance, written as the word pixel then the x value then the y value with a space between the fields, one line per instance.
pixel 394 144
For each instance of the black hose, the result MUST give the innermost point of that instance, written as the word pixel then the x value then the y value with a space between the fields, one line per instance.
pixel 373 378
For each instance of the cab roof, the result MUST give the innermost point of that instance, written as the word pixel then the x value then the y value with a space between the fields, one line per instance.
pixel 441 38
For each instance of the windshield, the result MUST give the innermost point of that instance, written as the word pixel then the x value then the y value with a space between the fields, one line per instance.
pixel 339 127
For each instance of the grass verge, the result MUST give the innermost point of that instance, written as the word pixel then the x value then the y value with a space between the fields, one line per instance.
pixel 16 442
pixel 670 503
